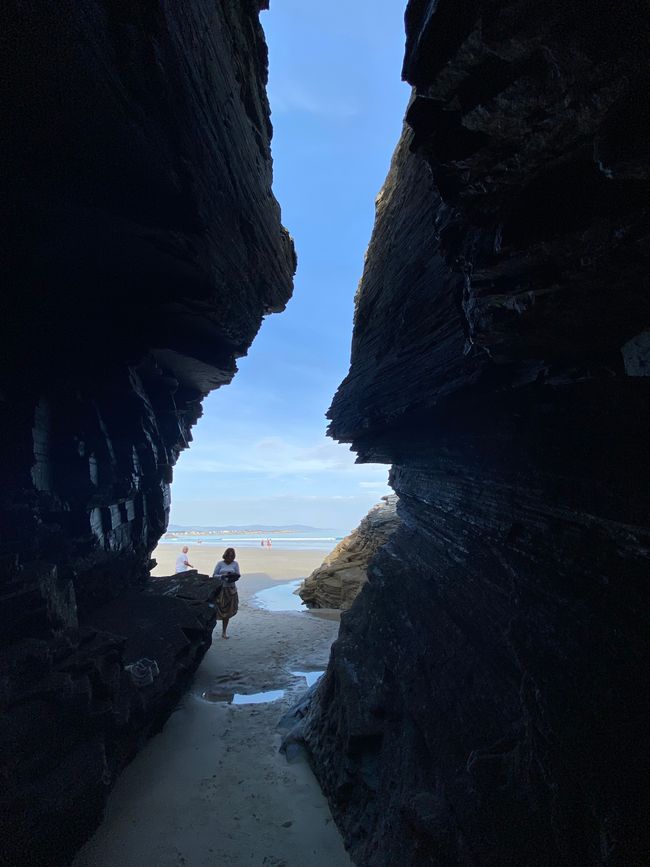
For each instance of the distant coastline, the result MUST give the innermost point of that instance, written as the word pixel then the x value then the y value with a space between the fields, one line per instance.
pixel 286 538
pixel 249 530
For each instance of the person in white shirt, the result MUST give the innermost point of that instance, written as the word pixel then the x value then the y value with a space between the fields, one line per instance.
pixel 227 601
pixel 182 563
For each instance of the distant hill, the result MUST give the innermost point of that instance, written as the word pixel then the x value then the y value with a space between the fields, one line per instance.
pixel 253 528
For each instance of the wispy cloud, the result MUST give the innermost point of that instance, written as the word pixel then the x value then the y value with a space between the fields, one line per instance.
pixel 273 456
pixel 292 96
pixel 341 511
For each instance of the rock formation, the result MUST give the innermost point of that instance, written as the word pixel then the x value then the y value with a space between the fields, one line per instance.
pixel 73 714
pixel 483 703
pixel 338 580
pixel 143 246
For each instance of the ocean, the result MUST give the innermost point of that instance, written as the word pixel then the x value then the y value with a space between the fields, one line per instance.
pixel 289 542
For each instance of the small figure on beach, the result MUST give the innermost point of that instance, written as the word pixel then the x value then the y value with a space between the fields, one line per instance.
pixel 182 563
pixel 227 601
pixel 262 543
pixel 268 543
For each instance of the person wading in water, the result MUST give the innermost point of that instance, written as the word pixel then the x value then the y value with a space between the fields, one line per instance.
pixel 227 571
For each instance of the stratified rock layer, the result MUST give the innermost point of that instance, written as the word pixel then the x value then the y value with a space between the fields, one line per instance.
pixel 338 580
pixel 483 704
pixel 143 248
pixel 73 716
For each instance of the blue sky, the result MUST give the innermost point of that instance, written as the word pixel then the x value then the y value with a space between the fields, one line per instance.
pixel 337 105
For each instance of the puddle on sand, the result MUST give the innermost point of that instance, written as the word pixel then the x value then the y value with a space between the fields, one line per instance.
pixel 229 697
pixel 310 676
pixel 258 697
pixel 280 598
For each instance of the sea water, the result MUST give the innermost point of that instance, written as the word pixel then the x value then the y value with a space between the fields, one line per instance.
pixel 291 542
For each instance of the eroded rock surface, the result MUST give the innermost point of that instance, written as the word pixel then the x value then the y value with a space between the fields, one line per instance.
pixel 73 716
pixel 484 701
pixel 143 248
pixel 338 580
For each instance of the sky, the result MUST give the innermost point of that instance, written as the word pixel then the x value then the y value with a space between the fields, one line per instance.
pixel 337 106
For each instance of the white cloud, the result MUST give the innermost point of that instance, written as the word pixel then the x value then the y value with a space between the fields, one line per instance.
pixel 275 456
pixel 340 512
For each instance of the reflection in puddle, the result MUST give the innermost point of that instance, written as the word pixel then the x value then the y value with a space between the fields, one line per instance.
pixel 258 697
pixel 230 697
pixel 280 598
pixel 310 676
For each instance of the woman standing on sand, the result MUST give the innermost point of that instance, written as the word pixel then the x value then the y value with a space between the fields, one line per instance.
pixel 227 570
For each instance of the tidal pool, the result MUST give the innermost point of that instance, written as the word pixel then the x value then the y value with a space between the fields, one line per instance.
pixel 230 697
pixel 310 676
pixel 280 598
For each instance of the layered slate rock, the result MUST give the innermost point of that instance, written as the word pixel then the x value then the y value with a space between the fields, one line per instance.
pixel 484 700
pixel 143 248
pixel 73 716
pixel 338 580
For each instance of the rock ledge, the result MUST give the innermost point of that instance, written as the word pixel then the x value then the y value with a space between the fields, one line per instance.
pixel 338 580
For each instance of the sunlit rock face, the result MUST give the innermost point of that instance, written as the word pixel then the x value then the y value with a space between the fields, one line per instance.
pixel 338 580
pixel 483 701
pixel 144 248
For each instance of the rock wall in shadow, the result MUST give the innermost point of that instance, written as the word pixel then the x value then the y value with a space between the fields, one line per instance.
pixel 338 580
pixel 483 703
pixel 142 247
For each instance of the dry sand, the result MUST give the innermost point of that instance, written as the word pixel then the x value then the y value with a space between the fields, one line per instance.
pixel 277 564
pixel 211 788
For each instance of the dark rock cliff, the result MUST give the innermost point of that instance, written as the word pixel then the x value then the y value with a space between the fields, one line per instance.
pixel 338 580
pixel 484 700
pixel 142 246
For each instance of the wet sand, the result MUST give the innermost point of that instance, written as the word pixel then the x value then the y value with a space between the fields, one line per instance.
pixel 211 788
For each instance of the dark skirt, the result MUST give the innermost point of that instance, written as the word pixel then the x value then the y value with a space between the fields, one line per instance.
pixel 227 603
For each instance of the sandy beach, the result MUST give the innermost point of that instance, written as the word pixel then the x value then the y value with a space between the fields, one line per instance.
pixel 277 564
pixel 211 788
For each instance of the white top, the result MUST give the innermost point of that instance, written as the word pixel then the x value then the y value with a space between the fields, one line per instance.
pixel 182 564
pixel 222 569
